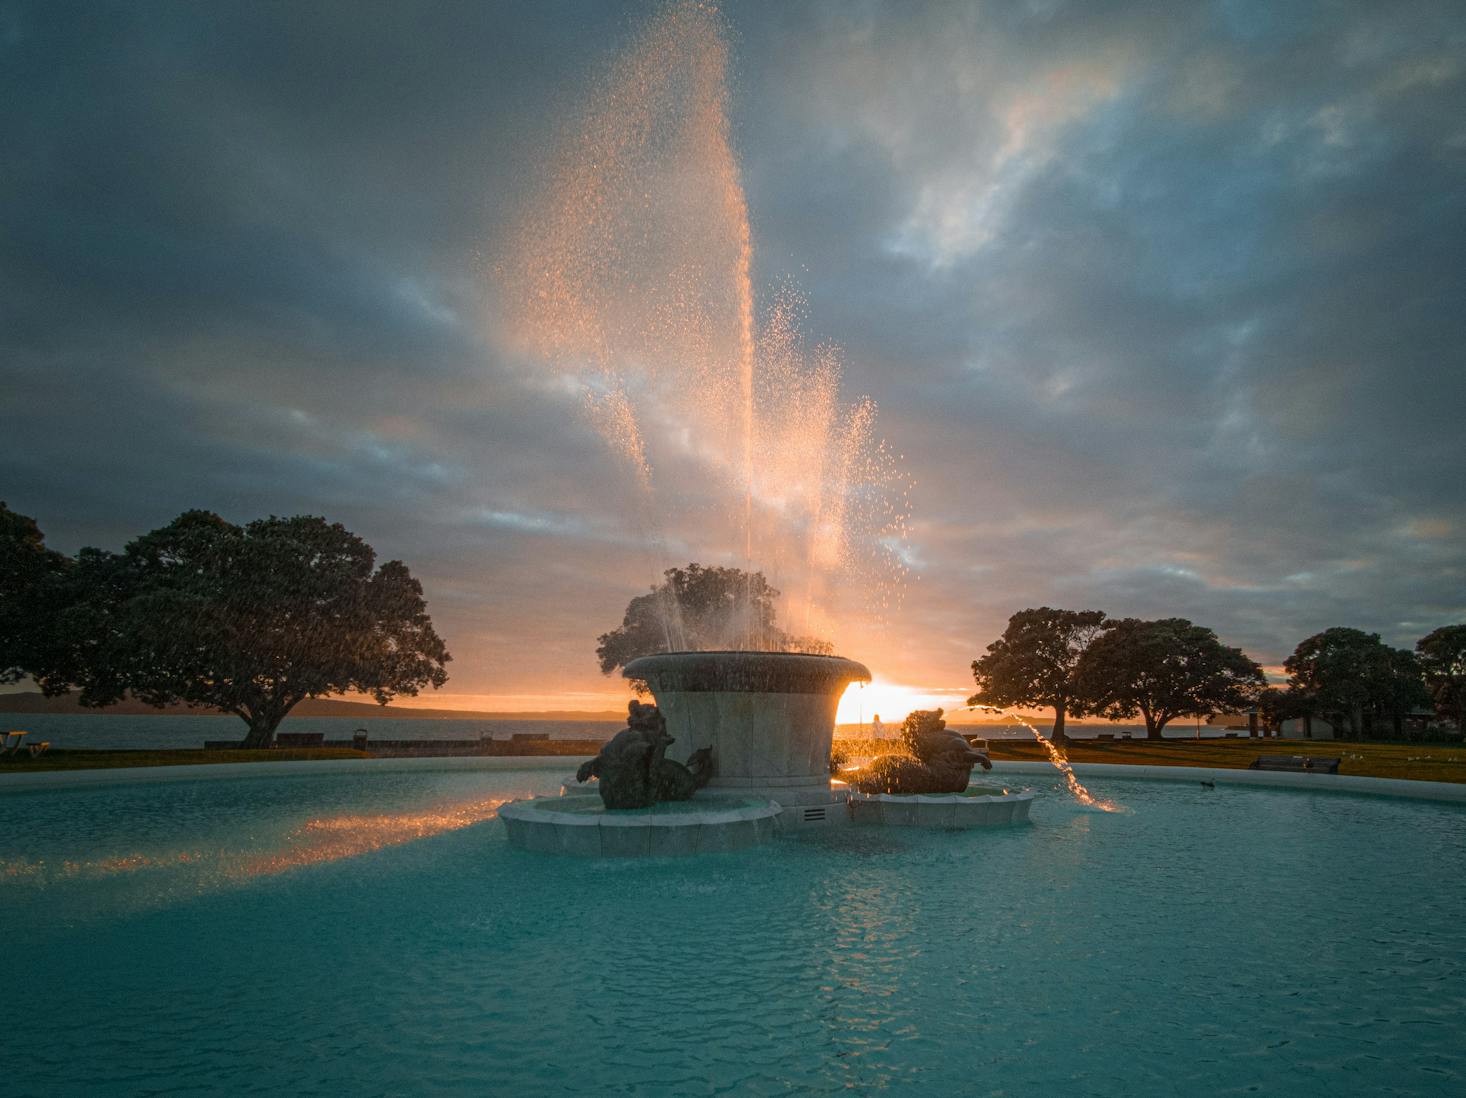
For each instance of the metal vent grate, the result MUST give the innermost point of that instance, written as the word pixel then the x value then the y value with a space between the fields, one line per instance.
pixel 811 815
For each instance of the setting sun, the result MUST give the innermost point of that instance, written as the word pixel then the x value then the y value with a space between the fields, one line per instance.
pixel 863 702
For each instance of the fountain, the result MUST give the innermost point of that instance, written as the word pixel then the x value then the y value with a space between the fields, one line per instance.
pixel 631 277
pixel 769 718
pixel 764 721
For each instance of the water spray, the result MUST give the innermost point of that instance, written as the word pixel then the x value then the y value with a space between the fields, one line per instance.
pixel 1059 760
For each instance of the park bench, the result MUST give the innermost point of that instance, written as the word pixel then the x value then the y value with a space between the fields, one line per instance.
pixel 1295 764
pixel 300 739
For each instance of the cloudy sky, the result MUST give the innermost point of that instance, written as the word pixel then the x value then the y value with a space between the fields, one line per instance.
pixel 1161 303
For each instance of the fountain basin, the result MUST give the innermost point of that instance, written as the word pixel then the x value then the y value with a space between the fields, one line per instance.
pixel 580 824
pixel 768 716
pixel 978 806
pixel 571 786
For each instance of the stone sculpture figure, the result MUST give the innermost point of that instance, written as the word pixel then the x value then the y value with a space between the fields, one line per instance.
pixel 942 761
pixel 632 769
pixel 676 782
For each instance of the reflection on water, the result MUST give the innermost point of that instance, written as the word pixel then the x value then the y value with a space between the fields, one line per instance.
pixel 1155 952
pixel 318 841
pixel 331 838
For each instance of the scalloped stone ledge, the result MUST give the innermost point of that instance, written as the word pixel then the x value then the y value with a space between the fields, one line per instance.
pixel 579 824
pixel 953 811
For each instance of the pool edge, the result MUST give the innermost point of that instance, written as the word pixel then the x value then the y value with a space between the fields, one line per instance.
pixel 1409 788
pixel 121 775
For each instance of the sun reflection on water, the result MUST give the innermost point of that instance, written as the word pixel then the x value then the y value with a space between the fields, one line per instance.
pixel 318 841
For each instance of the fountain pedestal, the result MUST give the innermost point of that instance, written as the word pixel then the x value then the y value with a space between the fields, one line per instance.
pixel 768 716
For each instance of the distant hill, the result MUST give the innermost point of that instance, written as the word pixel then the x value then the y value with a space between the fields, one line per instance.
pixel 32 701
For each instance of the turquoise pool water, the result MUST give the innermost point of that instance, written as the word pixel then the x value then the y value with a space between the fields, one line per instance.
pixel 373 933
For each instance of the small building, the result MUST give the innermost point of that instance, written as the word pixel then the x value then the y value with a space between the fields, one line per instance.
pixel 1308 728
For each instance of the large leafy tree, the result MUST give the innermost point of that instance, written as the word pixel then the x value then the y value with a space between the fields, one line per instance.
pixel 699 609
pixel 250 620
pixel 1162 670
pixel 1034 662
pixel 1346 674
pixel 1442 655
pixel 1400 689
pixel 31 578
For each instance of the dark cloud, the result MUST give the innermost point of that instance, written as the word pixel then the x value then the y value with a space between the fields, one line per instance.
pixel 1160 305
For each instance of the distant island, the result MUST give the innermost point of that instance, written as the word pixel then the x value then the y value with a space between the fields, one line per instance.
pixel 33 701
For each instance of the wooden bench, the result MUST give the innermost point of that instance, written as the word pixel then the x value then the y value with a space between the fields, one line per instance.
pixel 300 739
pixel 1295 764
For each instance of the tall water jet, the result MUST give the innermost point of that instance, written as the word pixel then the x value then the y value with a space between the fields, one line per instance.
pixel 631 275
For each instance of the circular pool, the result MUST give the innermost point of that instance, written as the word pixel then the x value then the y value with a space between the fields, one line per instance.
pixel 370 931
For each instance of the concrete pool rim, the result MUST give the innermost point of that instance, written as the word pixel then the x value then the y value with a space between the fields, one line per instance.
pixel 1409 789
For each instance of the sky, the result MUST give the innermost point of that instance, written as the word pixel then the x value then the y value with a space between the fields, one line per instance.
pixel 1160 304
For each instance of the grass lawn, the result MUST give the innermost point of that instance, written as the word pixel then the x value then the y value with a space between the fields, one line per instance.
pixel 1421 761
pixel 62 759
pixel 1435 762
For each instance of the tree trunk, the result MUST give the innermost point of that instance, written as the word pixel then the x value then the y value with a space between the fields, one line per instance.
pixel 262 729
pixel 1152 728
pixel 1058 733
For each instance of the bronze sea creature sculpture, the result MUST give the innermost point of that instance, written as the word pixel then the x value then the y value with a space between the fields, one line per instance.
pixel 940 761
pixel 633 771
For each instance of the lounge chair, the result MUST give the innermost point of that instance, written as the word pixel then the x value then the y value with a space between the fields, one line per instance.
pixel 13 740
pixel 38 749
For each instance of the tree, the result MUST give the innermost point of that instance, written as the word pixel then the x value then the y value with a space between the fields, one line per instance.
pixel 1162 670
pixel 1034 661
pixel 1442 655
pixel 1399 689
pixel 30 577
pixel 701 609
pixel 250 620
pixel 1343 673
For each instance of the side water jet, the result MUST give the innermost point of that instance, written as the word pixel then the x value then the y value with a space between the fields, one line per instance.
pixel 1059 760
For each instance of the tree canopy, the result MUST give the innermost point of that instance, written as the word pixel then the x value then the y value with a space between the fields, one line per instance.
pixel 701 608
pixel 250 620
pixel 1347 675
pixel 1162 670
pixel 1442 657
pixel 1034 662
pixel 30 577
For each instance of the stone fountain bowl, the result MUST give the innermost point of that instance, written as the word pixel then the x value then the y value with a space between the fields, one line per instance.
pixel 747 672
pixel 768 716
